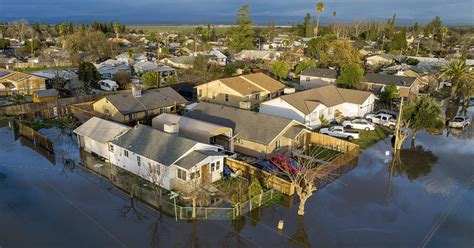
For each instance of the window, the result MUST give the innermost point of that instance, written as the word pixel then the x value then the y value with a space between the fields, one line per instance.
pixel 139 160
pixel 195 175
pixel 200 92
pixel 278 144
pixel 213 167
pixel 308 79
pixel 257 97
pixel 154 169
pixel 125 152
pixel 226 97
pixel 181 174
pixel 218 164
pixel 111 148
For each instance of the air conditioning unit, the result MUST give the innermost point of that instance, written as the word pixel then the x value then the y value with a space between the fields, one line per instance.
pixel 172 128
pixel 245 105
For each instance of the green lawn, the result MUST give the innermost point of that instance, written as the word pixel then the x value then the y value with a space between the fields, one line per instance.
pixel 368 138
pixel 322 153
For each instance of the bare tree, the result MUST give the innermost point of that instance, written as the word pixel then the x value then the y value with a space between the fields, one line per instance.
pixel 357 25
pixel 20 28
pixel 312 168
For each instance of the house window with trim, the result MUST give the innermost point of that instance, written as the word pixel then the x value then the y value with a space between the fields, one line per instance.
pixel 181 174
pixel 111 148
pixel 125 153
pixel 195 175
pixel 139 161
pixel 154 169
pixel 308 79
pixel 200 93
pixel 277 144
pixel 218 165
pixel 226 97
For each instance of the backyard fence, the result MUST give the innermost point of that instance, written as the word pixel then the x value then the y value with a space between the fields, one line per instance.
pixel 161 200
pixel 36 137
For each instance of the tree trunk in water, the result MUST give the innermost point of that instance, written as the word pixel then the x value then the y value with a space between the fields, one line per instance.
pixel 194 208
pixel 303 200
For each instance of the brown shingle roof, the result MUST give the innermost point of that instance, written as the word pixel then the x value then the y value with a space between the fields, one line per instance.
pixel 240 85
pixel 306 101
pixel 264 81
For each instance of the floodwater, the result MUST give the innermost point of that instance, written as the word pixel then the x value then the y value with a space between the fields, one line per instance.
pixel 427 202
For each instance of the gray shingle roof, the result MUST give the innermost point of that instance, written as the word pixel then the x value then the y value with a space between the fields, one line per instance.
pixel 389 79
pixel 248 125
pixel 151 99
pixel 319 72
pixel 46 93
pixel 195 157
pixel 158 146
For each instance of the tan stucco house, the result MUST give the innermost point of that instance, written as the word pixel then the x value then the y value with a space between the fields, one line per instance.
pixel 23 83
pixel 245 91
pixel 255 134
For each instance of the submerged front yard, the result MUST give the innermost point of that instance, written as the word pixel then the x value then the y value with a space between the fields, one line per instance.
pixel 369 138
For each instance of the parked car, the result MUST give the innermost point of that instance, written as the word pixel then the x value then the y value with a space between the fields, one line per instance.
pixel 381 111
pixel 108 85
pixel 360 124
pixel 340 132
pixel 460 122
pixel 384 120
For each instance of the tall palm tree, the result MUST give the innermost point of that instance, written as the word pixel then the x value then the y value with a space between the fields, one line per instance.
pixel 319 10
pixel 455 71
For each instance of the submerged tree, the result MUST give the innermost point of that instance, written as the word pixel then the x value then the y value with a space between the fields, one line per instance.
pixel 350 76
pixel 280 70
pixel 455 71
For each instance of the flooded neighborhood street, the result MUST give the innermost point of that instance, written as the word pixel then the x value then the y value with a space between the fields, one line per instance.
pixel 424 201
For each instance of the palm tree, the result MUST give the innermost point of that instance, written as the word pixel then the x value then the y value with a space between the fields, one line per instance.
pixel 334 20
pixel 455 71
pixel 319 10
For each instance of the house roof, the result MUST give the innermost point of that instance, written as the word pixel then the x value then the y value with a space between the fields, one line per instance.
pixel 308 100
pixel 195 157
pixel 156 145
pixel 126 103
pixel 182 59
pixel 257 127
pixel 203 128
pixel 240 85
pixel 264 81
pixel 319 72
pixel 386 79
pixel 46 93
pixel 101 130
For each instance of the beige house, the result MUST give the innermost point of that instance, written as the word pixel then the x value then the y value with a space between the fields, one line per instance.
pixel 407 86
pixel 138 105
pixel 255 134
pixel 245 91
pixel 13 81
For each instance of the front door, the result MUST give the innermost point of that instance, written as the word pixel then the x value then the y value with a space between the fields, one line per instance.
pixel 205 174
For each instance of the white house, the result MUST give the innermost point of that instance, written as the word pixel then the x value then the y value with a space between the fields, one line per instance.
pixel 110 67
pixel 93 136
pixel 315 77
pixel 327 102
pixel 170 161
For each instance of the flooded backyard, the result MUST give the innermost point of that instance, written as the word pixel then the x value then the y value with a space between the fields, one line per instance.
pixel 425 200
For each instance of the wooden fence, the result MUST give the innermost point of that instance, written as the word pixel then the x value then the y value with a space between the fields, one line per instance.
pixel 47 110
pixel 36 137
pixel 332 143
pixel 269 180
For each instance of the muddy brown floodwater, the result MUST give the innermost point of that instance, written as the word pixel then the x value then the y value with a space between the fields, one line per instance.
pixel 425 200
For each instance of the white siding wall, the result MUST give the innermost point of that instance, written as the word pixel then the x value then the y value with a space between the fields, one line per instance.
pixel 96 147
pixel 315 82
pixel 278 107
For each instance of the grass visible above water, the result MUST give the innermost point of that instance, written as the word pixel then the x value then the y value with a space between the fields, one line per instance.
pixel 368 138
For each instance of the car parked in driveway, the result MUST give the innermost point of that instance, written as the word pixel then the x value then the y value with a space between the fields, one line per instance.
pixel 460 122
pixel 340 132
pixel 381 111
pixel 384 120
pixel 360 124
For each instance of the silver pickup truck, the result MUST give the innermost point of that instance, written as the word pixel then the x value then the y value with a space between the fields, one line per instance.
pixel 340 132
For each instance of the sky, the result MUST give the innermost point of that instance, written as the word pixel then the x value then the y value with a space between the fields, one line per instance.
pixel 223 11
